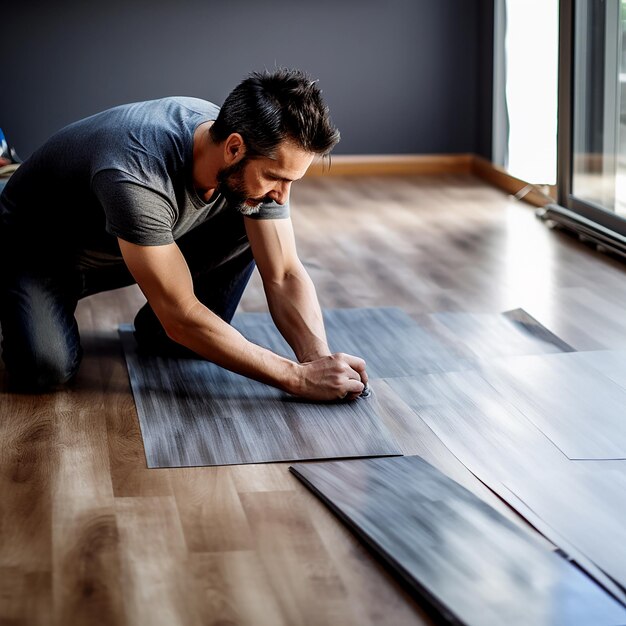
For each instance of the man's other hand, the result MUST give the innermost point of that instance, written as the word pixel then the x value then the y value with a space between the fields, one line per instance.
pixel 335 377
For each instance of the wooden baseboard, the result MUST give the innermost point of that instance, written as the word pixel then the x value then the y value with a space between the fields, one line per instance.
pixel 498 177
pixel 393 164
pixel 420 164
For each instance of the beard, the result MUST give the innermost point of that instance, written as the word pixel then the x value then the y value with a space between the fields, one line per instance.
pixel 232 186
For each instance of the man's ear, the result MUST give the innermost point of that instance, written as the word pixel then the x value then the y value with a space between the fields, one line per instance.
pixel 234 148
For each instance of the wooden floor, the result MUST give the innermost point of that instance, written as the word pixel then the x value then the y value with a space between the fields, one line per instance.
pixel 88 535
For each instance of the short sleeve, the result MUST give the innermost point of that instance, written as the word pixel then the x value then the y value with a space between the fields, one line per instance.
pixel 271 211
pixel 134 212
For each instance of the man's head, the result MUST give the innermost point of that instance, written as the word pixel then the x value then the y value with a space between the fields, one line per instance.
pixel 272 125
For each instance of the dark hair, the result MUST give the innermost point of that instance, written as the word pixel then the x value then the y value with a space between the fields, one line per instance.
pixel 270 107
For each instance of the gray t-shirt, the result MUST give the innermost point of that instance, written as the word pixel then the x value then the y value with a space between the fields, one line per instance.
pixel 125 172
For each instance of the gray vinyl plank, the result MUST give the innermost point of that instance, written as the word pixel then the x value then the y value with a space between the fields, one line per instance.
pixel 492 335
pixel 579 408
pixel 193 412
pixel 470 562
pixel 390 341
pixel 566 548
pixel 611 363
pixel 475 420
pixel 587 508
pixel 497 443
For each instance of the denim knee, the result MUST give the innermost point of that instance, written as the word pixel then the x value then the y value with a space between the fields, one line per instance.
pixel 41 343
pixel 55 370
pixel 44 371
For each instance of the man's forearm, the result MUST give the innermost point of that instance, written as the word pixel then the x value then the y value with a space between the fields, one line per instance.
pixel 296 312
pixel 206 334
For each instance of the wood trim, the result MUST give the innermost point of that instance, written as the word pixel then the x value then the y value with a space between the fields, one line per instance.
pixel 498 177
pixel 416 164
pixel 393 164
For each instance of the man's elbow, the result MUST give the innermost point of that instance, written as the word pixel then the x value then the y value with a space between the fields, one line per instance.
pixel 278 280
pixel 175 331
pixel 177 323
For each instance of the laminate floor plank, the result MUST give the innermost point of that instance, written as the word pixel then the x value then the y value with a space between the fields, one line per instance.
pixel 453 548
pixel 193 412
pixel 27 460
pixel 576 406
pixel 389 340
pixel 199 493
pixel 155 574
pixel 489 335
pixel 611 363
pixel 565 548
pixel 586 315
pixel 265 477
pixel 25 597
pixel 497 443
pixel 28 457
pixel 296 562
pixel 586 509
pixel 232 588
pixel 86 569
pixel 127 459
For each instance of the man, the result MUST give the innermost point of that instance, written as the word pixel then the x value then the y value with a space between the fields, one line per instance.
pixel 183 198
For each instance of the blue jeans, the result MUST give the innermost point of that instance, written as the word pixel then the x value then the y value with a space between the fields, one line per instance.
pixel 38 296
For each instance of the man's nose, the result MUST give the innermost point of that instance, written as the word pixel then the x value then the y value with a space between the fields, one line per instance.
pixel 280 193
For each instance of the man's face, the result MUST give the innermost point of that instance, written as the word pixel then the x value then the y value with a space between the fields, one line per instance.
pixel 250 182
pixel 232 186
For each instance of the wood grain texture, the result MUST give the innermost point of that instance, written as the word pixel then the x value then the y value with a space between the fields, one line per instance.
pixel 154 566
pixel 426 244
pixel 193 412
pixel 471 563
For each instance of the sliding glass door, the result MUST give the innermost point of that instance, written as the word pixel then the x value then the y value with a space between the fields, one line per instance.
pixel 595 185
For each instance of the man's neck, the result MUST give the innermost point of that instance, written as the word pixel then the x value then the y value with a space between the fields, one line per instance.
pixel 206 161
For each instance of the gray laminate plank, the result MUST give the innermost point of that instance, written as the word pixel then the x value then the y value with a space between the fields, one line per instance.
pixel 475 421
pixel 612 363
pixel 568 549
pixel 390 341
pixel 497 443
pixel 537 332
pixel 468 560
pixel 492 335
pixel 587 508
pixel 195 413
pixel 575 405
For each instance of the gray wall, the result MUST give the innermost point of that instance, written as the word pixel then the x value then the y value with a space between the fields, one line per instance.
pixel 401 76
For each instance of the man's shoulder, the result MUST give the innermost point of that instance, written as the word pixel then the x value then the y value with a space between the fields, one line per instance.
pixel 171 111
pixel 167 109
pixel 193 104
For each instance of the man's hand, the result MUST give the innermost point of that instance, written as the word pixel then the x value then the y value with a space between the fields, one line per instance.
pixel 335 377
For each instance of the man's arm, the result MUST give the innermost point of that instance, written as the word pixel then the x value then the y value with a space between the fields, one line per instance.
pixel 289 289
pixel 162 274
